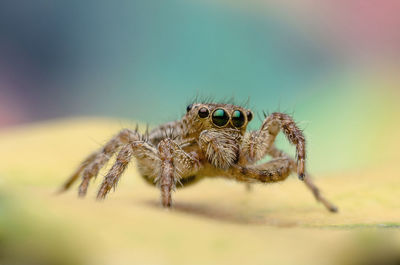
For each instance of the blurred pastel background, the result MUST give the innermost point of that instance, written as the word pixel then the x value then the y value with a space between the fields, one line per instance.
pixel 333 64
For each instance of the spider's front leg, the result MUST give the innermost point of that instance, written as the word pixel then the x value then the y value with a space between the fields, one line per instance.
pixel 175 162
pixel 257 144
pixel 273 171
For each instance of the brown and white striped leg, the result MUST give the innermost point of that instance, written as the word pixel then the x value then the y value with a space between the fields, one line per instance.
pixel 112 177
pixel 92 165
pixel 174 163
pixel 275 153
pixel 256 144
pixel 273 171
pixel 147 158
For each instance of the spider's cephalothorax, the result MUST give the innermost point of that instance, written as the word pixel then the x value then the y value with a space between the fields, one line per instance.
pixel 209 141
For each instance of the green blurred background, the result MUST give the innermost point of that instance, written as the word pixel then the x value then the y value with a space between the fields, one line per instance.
pixel 334 65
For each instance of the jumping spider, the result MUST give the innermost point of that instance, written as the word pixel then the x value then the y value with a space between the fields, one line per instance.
pixel 209 141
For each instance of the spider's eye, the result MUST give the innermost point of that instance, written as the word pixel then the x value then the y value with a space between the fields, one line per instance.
pixel 189 107
pixel 220 117
pixel 237 118
pixel 203 112
pixel 249 116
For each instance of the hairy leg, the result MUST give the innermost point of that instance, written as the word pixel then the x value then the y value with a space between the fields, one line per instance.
pixel 275 153
pixel 273 171
pixel 91 166
pixel 147 158
pixel 175 162
pixel 256 144
pixel 112 177
pixel 77 172
pixel 276 170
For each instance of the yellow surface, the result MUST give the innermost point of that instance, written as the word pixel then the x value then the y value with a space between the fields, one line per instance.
pixel 213 222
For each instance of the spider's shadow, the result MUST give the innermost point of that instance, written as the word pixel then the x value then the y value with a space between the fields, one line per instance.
pixel 222 214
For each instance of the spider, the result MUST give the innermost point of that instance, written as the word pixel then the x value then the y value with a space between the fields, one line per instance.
pixel 209 141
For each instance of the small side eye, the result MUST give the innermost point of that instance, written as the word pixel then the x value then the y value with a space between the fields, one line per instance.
pixel 237 118
pixel 204 112
pixel 189 107
pixel 249 116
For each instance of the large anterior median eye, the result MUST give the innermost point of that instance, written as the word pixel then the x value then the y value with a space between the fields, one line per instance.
pixel 220 117
pixel 237 118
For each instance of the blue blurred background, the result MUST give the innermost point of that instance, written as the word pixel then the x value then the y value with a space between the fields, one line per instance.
pixel 334 65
